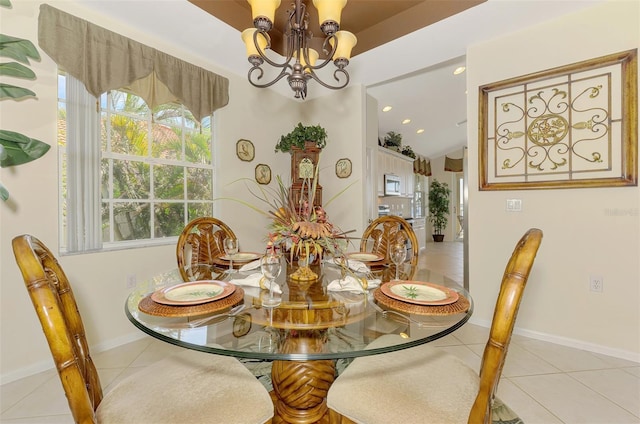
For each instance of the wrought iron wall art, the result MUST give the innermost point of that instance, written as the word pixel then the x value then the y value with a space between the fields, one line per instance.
pixel 573 126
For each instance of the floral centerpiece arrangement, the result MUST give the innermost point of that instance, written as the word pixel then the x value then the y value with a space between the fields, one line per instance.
pixel 302 230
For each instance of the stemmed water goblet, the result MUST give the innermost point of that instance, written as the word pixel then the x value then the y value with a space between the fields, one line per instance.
pixel 230 248
pixel 271 266
pixel 398 255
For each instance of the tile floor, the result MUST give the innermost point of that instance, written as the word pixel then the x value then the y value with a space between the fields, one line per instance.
pixel 543 382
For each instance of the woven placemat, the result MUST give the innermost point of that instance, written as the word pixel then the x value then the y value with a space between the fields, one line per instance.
pixel 459 306
pixel 149 306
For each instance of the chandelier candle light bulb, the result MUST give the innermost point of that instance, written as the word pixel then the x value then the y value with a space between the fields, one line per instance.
pixel 297 37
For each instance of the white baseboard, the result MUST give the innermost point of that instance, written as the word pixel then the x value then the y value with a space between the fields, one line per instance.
pixel 48 364
pixel 568 342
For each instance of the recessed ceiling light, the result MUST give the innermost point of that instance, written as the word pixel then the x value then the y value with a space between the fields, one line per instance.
pixel 387 108
pixel 406 121
pixel 420 131
pixel 459 70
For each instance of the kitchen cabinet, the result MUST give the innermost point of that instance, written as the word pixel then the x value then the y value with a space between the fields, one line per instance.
pixel 390 162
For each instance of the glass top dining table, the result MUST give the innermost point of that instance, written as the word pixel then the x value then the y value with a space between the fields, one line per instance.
pixel 310 329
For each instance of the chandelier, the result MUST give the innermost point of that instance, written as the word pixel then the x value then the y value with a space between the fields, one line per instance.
pixel 299 65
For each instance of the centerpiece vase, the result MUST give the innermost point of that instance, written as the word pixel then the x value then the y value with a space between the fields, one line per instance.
pixel 304 271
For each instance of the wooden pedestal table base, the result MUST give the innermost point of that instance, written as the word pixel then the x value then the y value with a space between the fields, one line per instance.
pixel 301 386
pixel 301 390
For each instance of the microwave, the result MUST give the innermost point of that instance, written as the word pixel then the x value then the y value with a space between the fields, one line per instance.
pixel 391 185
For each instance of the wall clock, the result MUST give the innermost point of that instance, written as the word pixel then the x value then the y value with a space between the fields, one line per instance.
pixel 343 168
pixel 245 150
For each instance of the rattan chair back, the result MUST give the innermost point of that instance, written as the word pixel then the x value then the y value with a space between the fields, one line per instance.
pixel 201 242
pixel 385 231
pixel 57 311
pixel 512 287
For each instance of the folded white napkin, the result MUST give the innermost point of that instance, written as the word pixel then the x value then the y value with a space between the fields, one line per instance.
pixel 351 283
pixel 353 265
pixel 251 265
pixel 253 280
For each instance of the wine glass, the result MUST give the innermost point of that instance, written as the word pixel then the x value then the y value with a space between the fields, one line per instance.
pixel 398 255
pixel 271 266
pixel 230 248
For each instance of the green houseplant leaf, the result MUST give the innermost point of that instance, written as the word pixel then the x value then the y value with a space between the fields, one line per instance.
pixel 19 149
pixel 299 135
pixel 16 148
pixel 18 49
pixel 12 92
pixel 15 69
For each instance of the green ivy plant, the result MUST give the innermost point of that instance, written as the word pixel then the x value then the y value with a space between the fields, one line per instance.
pixel 408 151
pixel 16 148
pixel 299 135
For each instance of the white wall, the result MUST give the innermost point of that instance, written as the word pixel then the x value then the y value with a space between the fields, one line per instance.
pixel 580 236
pixel 98 279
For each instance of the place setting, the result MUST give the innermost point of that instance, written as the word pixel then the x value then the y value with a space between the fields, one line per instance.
pixel 192 298
pixel 233 258
pixel 421 297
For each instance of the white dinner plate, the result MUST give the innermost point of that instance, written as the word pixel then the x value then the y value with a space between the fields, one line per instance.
pixel 241 257
pixel 419 293
pixel 364 256
pixel 193 293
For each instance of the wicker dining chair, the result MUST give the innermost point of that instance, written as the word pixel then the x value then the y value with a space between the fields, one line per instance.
pixel 200 242
pixel 190 387
pixel 426 384
pixel 385 231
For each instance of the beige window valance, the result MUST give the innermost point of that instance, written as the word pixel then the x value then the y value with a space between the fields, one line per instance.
pixel 104 60
pixel 453 165
pixel 421 166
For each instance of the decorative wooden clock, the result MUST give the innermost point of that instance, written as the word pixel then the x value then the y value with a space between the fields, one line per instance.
pixel 304 164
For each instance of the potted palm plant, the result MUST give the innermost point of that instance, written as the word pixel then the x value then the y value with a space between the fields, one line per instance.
pixel 438 208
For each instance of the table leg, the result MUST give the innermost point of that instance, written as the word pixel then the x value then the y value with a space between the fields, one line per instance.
pixel 301 390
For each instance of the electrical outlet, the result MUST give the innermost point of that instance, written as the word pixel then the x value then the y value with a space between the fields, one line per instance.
pixel 131 281
pixel 596 283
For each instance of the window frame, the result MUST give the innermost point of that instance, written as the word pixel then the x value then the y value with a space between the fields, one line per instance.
pixel 107 153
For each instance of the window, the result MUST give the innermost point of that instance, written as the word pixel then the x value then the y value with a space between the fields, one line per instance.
pixel 156 169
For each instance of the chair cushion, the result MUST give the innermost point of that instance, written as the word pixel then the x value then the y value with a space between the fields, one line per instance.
pixel 416 385
pixel 190 387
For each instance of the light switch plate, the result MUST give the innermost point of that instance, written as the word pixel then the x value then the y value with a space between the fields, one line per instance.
pixel 514 205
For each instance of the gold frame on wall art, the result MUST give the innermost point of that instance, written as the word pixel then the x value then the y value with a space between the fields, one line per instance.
pixel 568 127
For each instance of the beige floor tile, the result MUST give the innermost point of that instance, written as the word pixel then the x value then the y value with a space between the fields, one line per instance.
pixel 530 411
pixel 50 419
pixel 616 385
pixel 472 334
pixel 522 362
pixel 13 392
pixel 47 399
pixel 464 353
pixel 565 358
pixel 121 356
pixel 571 401
pixel 633 371
pixel 156 351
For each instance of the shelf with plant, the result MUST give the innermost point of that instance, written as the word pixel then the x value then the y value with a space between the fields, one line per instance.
pixel 299 135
